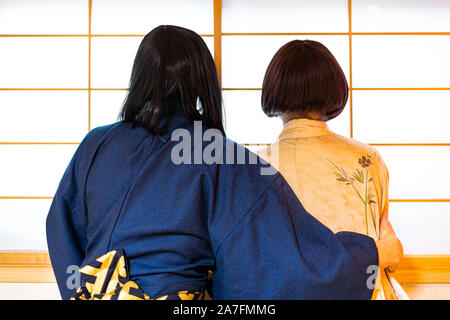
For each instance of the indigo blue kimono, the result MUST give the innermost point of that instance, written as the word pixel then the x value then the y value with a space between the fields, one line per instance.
pixel 177 221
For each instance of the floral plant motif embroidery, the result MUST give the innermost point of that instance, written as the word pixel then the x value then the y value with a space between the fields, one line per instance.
pixel 362 177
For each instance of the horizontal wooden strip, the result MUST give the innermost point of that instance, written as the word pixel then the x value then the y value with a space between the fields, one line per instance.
pixel 419 200
pixel 360 89
pixel 136 35
pixel 241 89
pixel 80 35
pixel 63 89
pixel 400 33
pixel 431 144
pixel 426 262
pixel 44 143
pixel 35 267
pixel 44 89
pixel 109 89
pixel 25 266
pixel 335 33
pixel 411 144
pixel 224 89
pixel 50 197
pixel 245 34
pixel 381 89
pixel 41 35
pixel 422 276
pixel 25 197
pixel 255 144
pixel 424 269
pixel 285 33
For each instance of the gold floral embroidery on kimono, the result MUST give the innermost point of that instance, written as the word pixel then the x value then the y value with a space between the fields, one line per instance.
pixel 108 279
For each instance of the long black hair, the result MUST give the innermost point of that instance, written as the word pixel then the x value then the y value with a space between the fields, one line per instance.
pixel 173 69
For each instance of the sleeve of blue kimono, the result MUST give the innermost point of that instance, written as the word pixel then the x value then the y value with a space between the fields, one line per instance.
pixel 66 220
pixel 66 236
pixel 279 251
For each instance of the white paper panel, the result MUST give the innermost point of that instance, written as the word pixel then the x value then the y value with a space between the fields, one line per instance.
pixel 341 124
pixel 400 16
pixel 285 16
pixel 246 58
pixel 113 58
pixel 44 62
pixel 245 120
pixel 401 61
pixel 43 116
pixel 141 16
pixel 29 291
pixel 105 106
pixel 44 17
pixel 112 61
pixel 247 123
pixel 423 227
pixel 33 170
pixel 401 116
pixel 417 172
pixel 23 224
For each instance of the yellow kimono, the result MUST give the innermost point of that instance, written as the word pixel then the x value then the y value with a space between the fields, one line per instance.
pixel 341 182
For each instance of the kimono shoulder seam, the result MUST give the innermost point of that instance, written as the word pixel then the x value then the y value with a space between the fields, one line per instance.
pixel 250 209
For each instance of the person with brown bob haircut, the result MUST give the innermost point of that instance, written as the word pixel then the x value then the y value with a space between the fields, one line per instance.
pixel 340 181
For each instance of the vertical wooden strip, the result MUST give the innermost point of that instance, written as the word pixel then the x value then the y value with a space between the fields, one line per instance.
pixel 350 63
pixel 218 37
pixel 89 66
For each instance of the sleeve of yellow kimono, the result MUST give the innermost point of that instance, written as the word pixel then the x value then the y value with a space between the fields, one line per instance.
pixel 392 289
pixel 384 184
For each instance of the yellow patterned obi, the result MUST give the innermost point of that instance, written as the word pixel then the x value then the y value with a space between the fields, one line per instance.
pixel 108 279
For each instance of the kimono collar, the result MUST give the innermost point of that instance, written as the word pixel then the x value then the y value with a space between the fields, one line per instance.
pixel 303 128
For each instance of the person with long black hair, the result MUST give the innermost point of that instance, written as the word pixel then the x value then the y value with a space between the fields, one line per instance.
pixel 147 214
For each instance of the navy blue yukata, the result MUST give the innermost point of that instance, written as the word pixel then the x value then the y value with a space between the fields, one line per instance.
pixel 177 221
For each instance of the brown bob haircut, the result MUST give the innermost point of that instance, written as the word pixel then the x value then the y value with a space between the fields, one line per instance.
pixel 304 78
